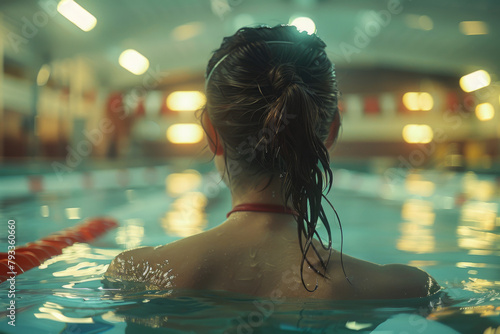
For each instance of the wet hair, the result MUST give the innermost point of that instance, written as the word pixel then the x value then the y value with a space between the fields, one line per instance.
pixel 272 98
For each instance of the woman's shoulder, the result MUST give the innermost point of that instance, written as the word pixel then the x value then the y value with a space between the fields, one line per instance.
pixel 367 280
pixel 125 264
pixel 408 282
pixel 179 259
pixel 392 281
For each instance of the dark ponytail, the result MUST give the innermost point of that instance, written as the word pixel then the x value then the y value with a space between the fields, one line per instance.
pixel 274 89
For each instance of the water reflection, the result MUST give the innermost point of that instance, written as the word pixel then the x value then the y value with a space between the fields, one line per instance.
pixel 82 269
pixel 416 185
pixel 417 228
pixel 180 183
pixel 51 311
pixel 481 190
pixel 187 215
pixel 78 251
pixel 131 233
pixel 476 228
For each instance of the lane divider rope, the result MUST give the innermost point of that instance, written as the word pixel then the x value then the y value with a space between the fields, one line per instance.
pixel 35 253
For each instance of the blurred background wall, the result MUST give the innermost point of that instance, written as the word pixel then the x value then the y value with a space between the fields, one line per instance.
pixel 97 82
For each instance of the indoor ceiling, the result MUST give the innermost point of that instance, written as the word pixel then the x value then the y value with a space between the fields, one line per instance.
pixel 177 36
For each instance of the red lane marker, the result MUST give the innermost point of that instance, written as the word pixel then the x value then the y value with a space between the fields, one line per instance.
pixel 35 253
pixel 29 255
pixel 4 268
pixel 52 250
pixel 39 252
pixel 59 240
pixel 25 262
pixel 17 268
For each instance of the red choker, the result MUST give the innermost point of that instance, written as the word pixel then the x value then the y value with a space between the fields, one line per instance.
pixel 259 207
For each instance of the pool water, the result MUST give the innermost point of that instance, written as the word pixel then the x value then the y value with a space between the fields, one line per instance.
pixel 445 223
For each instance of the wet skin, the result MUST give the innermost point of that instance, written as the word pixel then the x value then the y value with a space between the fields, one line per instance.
pixel 258 254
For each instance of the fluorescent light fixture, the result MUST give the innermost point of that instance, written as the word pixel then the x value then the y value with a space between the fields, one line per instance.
pixel 417 134
pixel 473 28
pixel 76 14
pixel 485 111
pixel 186 133
pixel 186 100
pixel 474 81
pixel 425 101
pixel 418 101
pixel 304 24
pixel 410 100
pixel 134 62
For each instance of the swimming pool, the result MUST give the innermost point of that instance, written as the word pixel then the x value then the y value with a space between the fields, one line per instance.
pixel 446 223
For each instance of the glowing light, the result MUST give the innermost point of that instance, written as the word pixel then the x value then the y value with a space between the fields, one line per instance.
pixel 418 101
pixel 76 14
pixel 304 24
pixel 187 31
pixel 410 100
pixel 417 134
pixel 473 28
pixel 133 61
pixel 43 75
pixel 425 101
pixel 44 211
pixel 187 133
pixel 474 81
pixel 73 213
pixel 485 111
pixel 186 100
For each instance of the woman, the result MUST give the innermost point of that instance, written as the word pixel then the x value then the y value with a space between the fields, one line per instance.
pixel 271 116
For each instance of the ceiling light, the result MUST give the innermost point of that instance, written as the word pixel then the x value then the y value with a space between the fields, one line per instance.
pixel 473 28
pixel 187 133
pixel 417 134
pixel 475 80
pixel 77 14
pixel 186 100
pixel 304 24
pixel 485 111
pixel 133 61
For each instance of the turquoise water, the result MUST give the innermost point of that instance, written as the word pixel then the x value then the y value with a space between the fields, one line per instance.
pixel 444 223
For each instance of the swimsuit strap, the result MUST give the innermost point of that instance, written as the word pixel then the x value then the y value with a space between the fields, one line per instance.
pixel 260 207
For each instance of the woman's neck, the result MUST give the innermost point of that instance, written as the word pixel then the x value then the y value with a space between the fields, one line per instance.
pixel 257 192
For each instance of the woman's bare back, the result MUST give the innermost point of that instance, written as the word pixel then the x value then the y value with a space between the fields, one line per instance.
pixel 263 258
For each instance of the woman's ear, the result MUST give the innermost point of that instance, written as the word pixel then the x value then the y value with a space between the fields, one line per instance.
pixel 214 142
pixel 334 131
